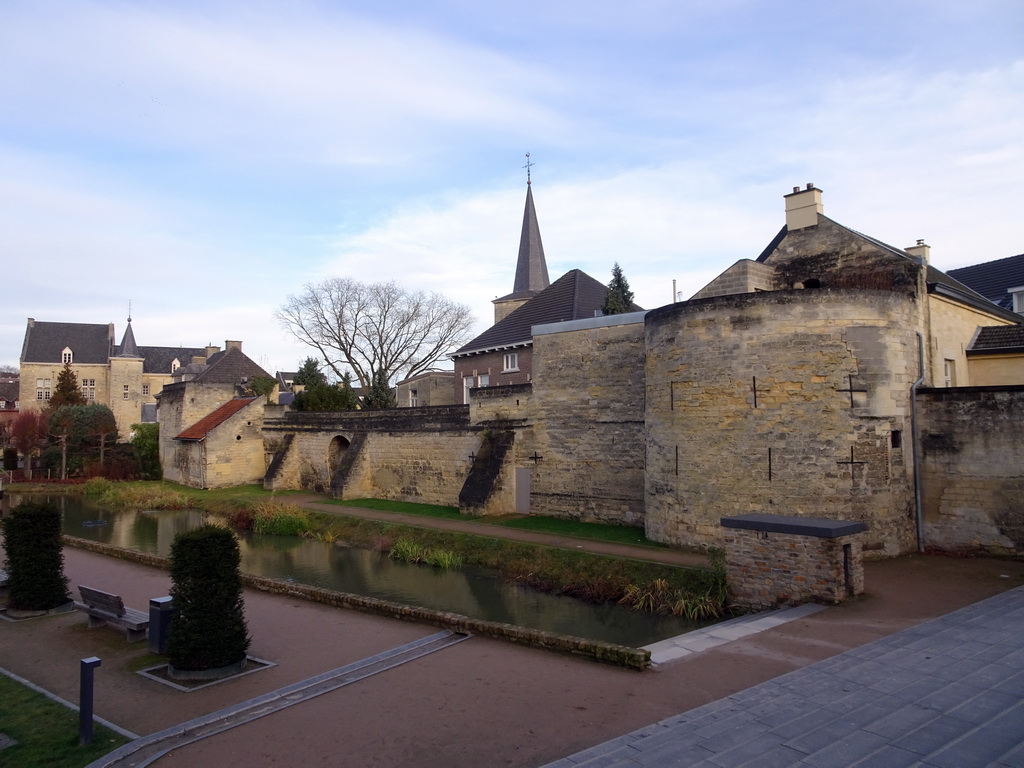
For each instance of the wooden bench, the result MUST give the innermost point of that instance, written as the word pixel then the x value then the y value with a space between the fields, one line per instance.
pixel 105 608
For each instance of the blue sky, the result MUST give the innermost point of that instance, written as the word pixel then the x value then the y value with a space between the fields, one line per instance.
pixel 204 160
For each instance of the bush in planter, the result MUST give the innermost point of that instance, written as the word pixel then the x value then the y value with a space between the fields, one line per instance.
pixel 209 629
pixel 35 558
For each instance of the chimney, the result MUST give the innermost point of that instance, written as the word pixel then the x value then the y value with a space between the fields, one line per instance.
pixel 229 345
pixel 211 350
pixel 921 252
pixel 803 207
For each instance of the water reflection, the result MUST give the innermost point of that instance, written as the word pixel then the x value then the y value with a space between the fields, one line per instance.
pixel 467 591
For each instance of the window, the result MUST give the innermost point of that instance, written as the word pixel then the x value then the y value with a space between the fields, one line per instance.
pixel 175 365
pixel 66 356
pixel 511 362
pixel 124 393
pixel 42 389
pixel 413 400
pixel 949 373
pixel 145 389
pixel 89 389
pixel 483 380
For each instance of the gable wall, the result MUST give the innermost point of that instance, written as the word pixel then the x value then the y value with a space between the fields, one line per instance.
pixel 953 325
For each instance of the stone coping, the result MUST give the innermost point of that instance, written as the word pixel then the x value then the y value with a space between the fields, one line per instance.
pixel 795 525
pixel 596 650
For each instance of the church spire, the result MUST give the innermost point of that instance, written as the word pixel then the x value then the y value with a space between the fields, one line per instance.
pixel 531 266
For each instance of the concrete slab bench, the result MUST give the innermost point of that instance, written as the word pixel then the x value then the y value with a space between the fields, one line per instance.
pixel 106 608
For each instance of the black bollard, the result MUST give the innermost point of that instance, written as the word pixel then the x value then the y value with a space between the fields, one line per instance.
pixel 85 700
pixel 161 611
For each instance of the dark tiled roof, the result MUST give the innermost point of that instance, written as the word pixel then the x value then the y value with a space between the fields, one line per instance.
pixel 230 367
pixel 992 338
pixel 9 393
pixel 211 421
pixel 993 278
pixel 44 342
pixel 573 296
pixel 159 359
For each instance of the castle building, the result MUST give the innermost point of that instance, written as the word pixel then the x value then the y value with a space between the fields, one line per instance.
pixel 123 376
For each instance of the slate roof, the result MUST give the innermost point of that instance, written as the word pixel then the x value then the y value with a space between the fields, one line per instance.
pixel 159 359
pixel 231 366
pixel 531 266
pixel 128 347
pixel 993 278
pixel 573 296
pixel 44 342
pixel 9 393
pixel 211 421
pixel 998 338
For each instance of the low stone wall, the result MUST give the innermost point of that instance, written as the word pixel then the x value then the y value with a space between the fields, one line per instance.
pixel 607 653
pixel 774 560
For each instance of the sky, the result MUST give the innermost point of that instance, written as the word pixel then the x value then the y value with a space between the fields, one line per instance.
pixel 200 162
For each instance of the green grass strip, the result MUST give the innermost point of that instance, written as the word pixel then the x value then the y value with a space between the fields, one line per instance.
pixel 46 732
pixel 618 534
pixel 405 507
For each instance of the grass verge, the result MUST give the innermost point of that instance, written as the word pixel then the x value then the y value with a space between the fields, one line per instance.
pixel 46 732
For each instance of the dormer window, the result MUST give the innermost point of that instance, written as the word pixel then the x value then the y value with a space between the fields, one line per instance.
pixel 175 365
pixel 1018 299
pixel 66 357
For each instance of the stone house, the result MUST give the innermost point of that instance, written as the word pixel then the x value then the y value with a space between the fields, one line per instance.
pixel 211 423
pixel 126 377
pixel 429 388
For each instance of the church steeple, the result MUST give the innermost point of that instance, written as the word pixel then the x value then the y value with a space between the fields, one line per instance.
pixel 531 266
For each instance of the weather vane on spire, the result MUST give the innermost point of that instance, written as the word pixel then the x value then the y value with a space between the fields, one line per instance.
pixel 528 166
pixel 129 310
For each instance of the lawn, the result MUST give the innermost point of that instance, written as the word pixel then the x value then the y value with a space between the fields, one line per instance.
pixel 46 732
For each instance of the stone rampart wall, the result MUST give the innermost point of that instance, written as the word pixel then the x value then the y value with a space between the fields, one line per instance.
pixel 409 454
pixel 972 469
pixel 749 409
pixel 587 412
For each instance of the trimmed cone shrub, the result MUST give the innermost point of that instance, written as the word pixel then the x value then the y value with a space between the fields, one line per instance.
pixel 35 558
pixel 209 629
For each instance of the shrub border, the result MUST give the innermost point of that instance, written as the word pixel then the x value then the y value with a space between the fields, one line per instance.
pixel 595 650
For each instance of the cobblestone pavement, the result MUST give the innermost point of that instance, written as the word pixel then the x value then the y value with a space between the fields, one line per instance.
pixel 948 693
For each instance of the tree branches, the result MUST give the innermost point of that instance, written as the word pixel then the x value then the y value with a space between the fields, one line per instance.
pixel 375 328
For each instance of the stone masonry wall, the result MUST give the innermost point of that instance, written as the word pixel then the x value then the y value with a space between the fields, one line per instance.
pixel 952 328
pixel 587 411
pixel 745 276
pixel 409 454
pixel 749 409
pixel 766 570
pixel 972 468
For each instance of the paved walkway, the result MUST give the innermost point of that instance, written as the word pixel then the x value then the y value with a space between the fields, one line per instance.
pixel 483 702
pixel 948 693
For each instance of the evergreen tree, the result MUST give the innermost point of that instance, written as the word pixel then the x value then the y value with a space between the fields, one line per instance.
pixel 146 440
pixel 66 392
pixel 209 630
pixel 35 557
pixel 309 373
pixel 618 298
pixel 381 395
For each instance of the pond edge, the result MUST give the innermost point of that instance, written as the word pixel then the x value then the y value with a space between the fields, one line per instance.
pixel 595 650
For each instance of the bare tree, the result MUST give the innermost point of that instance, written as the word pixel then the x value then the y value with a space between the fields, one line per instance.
pixel 375 328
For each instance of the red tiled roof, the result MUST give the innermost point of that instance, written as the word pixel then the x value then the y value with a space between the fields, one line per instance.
pixel 202 428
